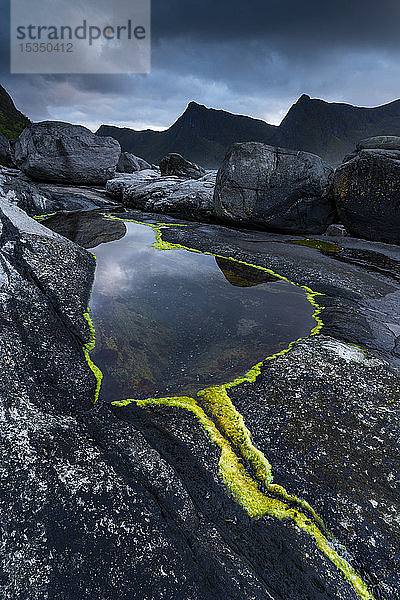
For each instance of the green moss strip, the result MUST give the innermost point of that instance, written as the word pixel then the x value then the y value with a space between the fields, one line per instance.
pixel 245 489
pixel 322 245
pixel 87 348
pixel 41 217
pixel 232 425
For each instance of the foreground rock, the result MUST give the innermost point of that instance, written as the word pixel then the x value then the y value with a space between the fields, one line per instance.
pixel 78 485
pixel 129 163
pixel 5 152
pixel 45 279
pixel 367 190
pixel 274 189
pixel 59 152
pixel 138 488
pixel 175 164
pixel 44 198
pixel 148 192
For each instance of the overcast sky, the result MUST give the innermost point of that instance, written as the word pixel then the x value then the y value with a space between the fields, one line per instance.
pixel 255 58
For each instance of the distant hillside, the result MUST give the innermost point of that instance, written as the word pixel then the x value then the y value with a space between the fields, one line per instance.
pixel 203 135
pixel 331 130
pixel 12 121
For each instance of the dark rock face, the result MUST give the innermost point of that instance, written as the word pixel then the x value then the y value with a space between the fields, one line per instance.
pixel 5 152
pixel 129 163
pixel 44 198
pixel 64 153
pixel 175 164
pixel 147 191
pixel 337 448
pixel 367 191
pixel 12 121
pixel 274 189
pixel 46 280
pixel 86 228
pixel 382 142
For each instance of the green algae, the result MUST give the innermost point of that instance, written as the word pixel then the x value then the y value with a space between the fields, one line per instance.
pixel 232 425
pixel 244 488
pixel 317 244
pixel 41 217
pixel 87 348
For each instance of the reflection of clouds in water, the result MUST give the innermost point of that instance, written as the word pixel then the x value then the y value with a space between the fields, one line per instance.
pixel 178 320
pixel 112 280
pixel 132 263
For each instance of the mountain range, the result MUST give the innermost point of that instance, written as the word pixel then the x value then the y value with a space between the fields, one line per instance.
pixel 12 121
pixel 203 135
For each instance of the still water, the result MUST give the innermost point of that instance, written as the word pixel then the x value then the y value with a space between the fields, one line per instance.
pixel 174 322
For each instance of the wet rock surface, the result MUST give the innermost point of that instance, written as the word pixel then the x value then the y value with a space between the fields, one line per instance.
pixel 367 191
pixel 334 438
pixel 58 152
pixel 274 189
pixel 113 502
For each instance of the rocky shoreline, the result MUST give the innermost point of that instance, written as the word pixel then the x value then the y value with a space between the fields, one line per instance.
pixel 107 501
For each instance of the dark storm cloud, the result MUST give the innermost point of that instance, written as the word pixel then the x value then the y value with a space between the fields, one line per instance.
pixel 354 22
pixel 252 57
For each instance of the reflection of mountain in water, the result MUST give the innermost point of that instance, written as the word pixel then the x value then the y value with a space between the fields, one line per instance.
pixel 242 275
pixel 88 229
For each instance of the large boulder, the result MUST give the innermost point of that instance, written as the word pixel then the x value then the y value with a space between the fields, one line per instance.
pixel 275 189
pixel 115 187
pixel 187 199
pixel 5 152
pixel 129 163
pixel 175 164
pixel 60 152
pixel 367 190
